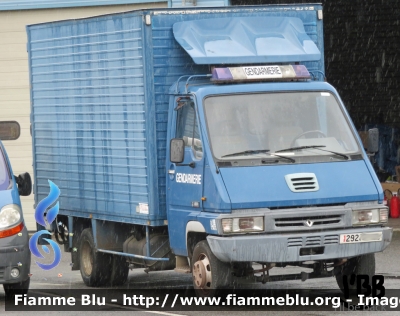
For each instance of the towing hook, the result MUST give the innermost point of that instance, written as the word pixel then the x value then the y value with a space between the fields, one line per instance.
pixel 263 281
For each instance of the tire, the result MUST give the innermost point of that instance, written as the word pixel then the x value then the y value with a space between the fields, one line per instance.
pixel 361 265
pixel 16 288
pixel 119 271
pixel 209 273
pixel 94 266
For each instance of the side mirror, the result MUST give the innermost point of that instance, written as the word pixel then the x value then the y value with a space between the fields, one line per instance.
pixel 177 150
pixel 373 140
pixel 24 183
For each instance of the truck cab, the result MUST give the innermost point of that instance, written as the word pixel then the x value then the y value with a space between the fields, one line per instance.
pixel 275 173
pixel 15 259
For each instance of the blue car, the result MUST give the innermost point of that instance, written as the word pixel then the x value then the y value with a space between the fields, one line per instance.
pixel 15 256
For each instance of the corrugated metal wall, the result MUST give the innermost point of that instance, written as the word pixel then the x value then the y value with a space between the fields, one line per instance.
pixel 89 115
pixel 14 80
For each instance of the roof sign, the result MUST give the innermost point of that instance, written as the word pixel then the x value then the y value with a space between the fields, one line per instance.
pixel 257 73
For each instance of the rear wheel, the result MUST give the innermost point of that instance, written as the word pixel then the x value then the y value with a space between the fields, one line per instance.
pixel 361 265
pixel 16 288
pixel 94 266
pixel 209 273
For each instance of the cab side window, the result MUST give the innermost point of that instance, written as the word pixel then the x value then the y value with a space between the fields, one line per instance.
pixel 188 129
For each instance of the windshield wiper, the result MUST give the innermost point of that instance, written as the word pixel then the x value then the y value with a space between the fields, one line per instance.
pixel 314 147
pixel 247 152
pixel 260 151
pixel 284 157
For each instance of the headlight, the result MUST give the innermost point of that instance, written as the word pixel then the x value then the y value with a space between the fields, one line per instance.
pixel 10 215
pixel 374 216
pixel 243 224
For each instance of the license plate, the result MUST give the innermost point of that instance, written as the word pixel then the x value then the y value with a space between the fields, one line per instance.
pixel 350 238
pixel 361 237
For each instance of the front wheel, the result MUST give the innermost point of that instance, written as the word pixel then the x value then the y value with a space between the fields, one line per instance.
pixel 209 273
pixel 16 288
pixel 361 265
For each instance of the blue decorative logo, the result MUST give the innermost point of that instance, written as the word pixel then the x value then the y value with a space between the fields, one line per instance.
pixel 46 222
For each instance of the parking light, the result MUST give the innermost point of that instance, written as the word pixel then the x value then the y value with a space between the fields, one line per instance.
pixel 14 273
pixel 368 217
pixel 10 220
pixel 243 224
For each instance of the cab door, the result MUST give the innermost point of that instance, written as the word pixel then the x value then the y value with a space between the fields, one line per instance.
pixel 185 179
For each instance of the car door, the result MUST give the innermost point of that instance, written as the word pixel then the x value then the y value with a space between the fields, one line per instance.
pixel 185 179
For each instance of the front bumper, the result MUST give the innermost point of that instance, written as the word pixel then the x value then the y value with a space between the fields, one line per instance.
pixel 286 247
pixel 15 253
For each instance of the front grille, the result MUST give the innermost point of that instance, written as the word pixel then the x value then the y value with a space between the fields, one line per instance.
pixel 302 206
pixel 295 241
pixel 2 273
pixel 312 241
pixel 309 221
pixel 331 239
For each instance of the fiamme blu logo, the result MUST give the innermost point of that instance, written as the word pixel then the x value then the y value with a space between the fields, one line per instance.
pixel 46 221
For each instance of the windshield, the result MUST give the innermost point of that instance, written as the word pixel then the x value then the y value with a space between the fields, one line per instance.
pixel 305 126
pixel 4 176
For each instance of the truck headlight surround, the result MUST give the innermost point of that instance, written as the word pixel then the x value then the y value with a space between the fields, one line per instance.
pixel 10 215
pixel 369 216
pixel 248 224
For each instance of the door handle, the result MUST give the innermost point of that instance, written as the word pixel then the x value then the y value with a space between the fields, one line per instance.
pixel 171 171
pixel 191 165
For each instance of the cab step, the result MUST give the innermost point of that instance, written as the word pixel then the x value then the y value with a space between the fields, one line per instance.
pixel 185 270
pixel 182 265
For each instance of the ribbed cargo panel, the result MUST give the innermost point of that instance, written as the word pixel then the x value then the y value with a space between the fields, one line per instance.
pixel 89 115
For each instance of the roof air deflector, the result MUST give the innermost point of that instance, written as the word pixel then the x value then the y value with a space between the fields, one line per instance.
pixel 241 40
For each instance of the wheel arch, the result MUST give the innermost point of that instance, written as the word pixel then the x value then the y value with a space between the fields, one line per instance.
pixel 79 224
pixel 195 232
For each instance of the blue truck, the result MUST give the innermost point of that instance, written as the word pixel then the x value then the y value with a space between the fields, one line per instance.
pixel 204 140
pixel 15 256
